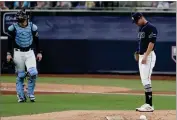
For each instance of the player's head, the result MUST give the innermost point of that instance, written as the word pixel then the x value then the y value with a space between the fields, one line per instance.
pixel 138 19
pixel 21 16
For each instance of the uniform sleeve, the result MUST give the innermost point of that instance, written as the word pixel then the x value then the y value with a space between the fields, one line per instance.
pixel 11 38
pixel 153 35
pixel 36 38
pixel 34 28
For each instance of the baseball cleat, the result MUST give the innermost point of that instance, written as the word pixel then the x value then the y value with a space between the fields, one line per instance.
pixel 32 98
pixel 21 100
pixel 145 108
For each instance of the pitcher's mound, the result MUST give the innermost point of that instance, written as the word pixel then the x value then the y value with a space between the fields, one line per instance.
pixel 115 118
pixel 97 115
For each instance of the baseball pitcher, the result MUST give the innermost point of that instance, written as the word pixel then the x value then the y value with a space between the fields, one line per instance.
pixel 21 37
pixel 146 57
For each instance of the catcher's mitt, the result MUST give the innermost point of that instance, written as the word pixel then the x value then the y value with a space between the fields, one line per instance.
pixel 8 67
pixel 11 62
pixel 136 56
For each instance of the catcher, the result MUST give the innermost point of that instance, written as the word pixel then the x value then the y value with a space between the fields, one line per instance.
pixel 21 36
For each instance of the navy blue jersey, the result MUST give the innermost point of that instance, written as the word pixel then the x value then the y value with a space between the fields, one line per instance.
pixel 146 34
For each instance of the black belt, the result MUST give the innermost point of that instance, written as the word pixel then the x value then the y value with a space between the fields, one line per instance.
pixel 23 49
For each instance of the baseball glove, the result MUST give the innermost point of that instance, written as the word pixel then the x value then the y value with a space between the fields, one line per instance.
pixel 136 56
pixel 11 62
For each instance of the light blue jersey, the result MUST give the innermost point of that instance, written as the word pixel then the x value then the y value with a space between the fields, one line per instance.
pixel 23 36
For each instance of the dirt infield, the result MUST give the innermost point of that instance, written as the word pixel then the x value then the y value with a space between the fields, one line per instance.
pixel 41 88
pixel 46 88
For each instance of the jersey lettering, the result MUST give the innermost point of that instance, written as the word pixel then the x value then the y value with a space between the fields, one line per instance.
pixel 141 35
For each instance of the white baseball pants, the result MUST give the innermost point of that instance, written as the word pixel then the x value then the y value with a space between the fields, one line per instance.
pixel 22 59
pixel 146 69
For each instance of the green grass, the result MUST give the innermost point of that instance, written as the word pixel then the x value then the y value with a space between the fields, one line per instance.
pixel 51 103
pixel 132 84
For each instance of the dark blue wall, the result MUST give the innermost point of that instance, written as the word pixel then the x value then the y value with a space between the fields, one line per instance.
pixel 94 55
pixel 83 56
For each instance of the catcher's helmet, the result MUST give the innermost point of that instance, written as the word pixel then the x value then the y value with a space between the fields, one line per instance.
pixel 21 15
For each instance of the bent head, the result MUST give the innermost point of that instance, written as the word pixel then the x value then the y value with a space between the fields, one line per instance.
pixel 138 19
pixel 21 16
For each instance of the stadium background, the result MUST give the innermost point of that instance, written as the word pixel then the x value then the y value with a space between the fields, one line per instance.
pixel 96 39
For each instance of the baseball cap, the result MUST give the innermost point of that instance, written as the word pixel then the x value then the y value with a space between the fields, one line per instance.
pixel 136 16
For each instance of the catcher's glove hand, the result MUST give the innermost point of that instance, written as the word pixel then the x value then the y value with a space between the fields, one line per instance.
pixel 11 62
pixel 136 56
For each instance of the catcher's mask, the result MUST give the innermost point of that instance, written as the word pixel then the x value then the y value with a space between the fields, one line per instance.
pixel 21 16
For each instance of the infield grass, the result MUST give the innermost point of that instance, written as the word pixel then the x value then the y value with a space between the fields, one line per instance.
pixel 132 84
pixel 62 102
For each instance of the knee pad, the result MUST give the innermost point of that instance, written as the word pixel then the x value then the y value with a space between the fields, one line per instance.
pixel 32 72
pixel 21 74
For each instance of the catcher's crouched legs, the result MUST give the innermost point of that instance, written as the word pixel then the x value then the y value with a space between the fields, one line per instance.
pixel 32 72
pixel 20 86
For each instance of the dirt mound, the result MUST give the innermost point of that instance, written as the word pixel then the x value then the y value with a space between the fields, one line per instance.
pixel 96 115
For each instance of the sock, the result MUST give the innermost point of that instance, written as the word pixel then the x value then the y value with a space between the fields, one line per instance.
pixel 148 94
pixel 148 98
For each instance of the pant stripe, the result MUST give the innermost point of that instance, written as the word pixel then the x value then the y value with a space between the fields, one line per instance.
pixel 150 67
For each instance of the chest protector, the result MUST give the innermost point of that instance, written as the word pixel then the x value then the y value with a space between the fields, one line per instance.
pixel 23 36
